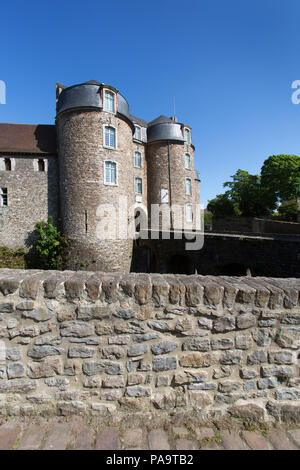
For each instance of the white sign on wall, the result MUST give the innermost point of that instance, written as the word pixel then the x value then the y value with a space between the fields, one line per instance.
pixel 164 195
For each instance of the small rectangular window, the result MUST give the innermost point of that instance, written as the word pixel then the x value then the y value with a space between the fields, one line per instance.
pixel 110 137
pixel 4 197
pixel 187 161
pixel 110 173
pixel 109 101
pixel 138 185
pixel 188 186
pixel 41 164
pixel 7 163
pixel 137 133
pixel 137 159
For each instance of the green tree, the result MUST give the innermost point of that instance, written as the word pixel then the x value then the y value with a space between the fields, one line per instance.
pixel 289 210
pixel 222 206
pixel 248 194
pixel 49 244
pixel 280 177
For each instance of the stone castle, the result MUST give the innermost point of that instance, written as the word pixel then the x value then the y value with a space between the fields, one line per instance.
pixel 94 154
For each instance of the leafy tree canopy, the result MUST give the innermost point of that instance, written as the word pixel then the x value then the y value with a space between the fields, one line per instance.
pixel 280 176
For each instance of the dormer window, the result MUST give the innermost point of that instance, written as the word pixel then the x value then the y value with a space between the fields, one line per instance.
pixel 187 135
pixel 137 133
pixel 109 101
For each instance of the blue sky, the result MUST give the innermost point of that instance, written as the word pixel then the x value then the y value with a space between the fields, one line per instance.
pixel 230 65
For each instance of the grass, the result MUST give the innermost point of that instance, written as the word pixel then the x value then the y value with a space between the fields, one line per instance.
pixel 13 259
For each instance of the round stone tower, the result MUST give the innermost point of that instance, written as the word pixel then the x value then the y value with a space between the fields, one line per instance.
pixel 94 135
pixel 171 178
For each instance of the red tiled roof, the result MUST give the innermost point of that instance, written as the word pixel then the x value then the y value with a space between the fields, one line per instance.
pixel 28 138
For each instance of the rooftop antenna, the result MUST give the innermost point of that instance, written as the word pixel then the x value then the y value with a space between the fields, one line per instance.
pixel 174 106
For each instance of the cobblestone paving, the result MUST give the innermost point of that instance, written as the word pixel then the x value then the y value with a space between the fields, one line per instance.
pixel 57 434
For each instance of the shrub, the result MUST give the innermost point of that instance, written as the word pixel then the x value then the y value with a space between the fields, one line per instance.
pixel 49 244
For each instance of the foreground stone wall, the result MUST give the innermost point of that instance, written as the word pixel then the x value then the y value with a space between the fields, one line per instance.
pixel 82 342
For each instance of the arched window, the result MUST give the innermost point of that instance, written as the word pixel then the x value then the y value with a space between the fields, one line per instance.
pixel 187 135
pixel 110 176
pixel 187 161
pixel 189 213
pixel 137 159
pixel 188 186
pixel 110 137
pixel 138 185
pixel 109 101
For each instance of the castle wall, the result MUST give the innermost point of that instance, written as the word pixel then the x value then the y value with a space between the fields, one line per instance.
pixel 32 196
pixel 102 343
pixel 82 157
pixel 159 156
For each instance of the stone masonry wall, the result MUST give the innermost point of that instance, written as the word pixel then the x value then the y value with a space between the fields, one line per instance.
pixel 82 342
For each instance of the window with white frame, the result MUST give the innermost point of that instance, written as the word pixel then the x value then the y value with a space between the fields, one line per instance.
pixel 138 159
pixel 188 186
pixel 110 137
pixel 187 161
pixel 110 173
pixel 109 101
pixel 187 135
pixel 4 197
pixel 189 213
pixel 138 185
pixel 137 133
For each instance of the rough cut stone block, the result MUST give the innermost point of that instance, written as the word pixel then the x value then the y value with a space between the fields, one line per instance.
pixel 257 357
pixel 281 357
pixel 197 360
pixel 113 352
pixel 163 347
pixel 17 386
pixel 137 350
pixel 161 364
pixel 38 352
pixel 80 351
pixel 246 320
pixel 137 391
pixel 77 329
pixel 222 343
pixel 196 344
pixel 223 324
pixel 231 357
pixel 15 370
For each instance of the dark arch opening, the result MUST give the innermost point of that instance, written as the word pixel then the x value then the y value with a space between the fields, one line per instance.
pixel 233 269
pixel 181 264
